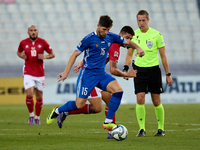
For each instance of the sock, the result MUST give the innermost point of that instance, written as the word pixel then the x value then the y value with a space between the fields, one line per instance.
pixel 113 105
pixel 38 106
pixel 32 114
pixel 29 103
pixel 159 110
pixel 84 110
pixel 106 112
pixel 70 105
pixel 140 113
pixel 37 117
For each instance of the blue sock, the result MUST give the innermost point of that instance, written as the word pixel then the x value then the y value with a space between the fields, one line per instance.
pixel 70 105
pixel 113 105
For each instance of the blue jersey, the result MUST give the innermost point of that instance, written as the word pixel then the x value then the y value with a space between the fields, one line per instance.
pixel 96 49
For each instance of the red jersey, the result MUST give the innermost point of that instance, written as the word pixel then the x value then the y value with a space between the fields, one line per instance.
pixel 113 53
pixel 34 66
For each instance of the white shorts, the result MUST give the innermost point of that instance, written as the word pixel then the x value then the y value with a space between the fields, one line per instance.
pixel 96 93
pixel 37 82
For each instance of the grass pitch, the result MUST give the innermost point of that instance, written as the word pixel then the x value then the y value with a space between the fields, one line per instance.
pixel 85 132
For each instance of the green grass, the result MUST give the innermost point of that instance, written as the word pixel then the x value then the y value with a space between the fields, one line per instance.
pixel 85 132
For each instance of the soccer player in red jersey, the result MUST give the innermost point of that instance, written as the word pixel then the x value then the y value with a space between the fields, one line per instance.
pixel 32 51
pixel 97 95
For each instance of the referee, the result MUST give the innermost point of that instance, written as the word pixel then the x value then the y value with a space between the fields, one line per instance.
pixel 149 77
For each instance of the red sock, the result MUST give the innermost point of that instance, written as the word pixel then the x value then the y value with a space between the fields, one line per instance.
pixel 106 111
pixel 29 103
pixel 84 110
pixel 38 106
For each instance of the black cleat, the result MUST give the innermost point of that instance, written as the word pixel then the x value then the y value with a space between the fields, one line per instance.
pixel 141 133
pixel 160 133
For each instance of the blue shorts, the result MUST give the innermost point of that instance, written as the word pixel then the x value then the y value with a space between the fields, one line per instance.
pixel 88 79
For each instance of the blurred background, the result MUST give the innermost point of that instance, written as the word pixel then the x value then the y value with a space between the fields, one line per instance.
pixel 63 23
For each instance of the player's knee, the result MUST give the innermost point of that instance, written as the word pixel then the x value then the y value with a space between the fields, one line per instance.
pixel 98 109
pixel 80 105
pixel 29 94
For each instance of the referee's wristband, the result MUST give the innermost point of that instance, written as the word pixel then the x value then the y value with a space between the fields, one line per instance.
pixel 125 68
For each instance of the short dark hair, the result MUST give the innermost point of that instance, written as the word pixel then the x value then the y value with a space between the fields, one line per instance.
pixel 143 12
pixel 127 29
pixel 105 21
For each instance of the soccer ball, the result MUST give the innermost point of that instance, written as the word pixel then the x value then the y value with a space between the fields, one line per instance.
pixel 119 132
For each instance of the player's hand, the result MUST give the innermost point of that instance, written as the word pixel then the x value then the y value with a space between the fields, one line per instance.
pixel 76 68
pixel 132 73
pixel 61 77
pixel 23 55
pixel 140 52
pixel 41 56
pixel 169 80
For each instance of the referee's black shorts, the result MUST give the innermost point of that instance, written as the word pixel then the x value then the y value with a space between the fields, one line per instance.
pixel 149 79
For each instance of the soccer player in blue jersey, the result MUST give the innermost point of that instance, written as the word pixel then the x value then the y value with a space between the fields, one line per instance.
pixel 95 47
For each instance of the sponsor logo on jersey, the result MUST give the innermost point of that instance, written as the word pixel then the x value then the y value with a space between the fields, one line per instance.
pixel 149 44
pixel 26 46
pixel 162 42
pixel 39 46
pixel 96 45
pixel 102 41
pixel 109 44
pixel 116 54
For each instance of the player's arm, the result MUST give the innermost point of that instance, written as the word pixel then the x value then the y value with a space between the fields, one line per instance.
pixel 165 65
pixel 128 59
pixel 115 71
pixel 21 55
pixel 62 76
pixel 49 56
pixel 131 44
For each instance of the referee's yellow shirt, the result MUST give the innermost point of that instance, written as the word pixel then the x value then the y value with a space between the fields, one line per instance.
pixel 149 41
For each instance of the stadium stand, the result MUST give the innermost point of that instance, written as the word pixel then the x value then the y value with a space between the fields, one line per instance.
pixel 63 23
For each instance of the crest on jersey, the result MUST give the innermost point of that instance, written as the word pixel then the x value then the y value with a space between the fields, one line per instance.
pixel 26 46
pixel 96 45
pixel 109 44
pixel 116 54
pixel 39 46
pixel 149 44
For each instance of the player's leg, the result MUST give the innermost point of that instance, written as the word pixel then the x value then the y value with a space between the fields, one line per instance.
pixel 141 113
pixel 106 98
pixel 38 105
pixel 39 87
pixel 155 87
pixel 95 106
pixel 141 86
pixel 30 104
pixel 113 87
pixel 69 106
pixel 159 111
pixel 29 88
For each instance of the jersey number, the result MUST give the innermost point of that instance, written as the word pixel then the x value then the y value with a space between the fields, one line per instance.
pixel 84 91
pixel 33 52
